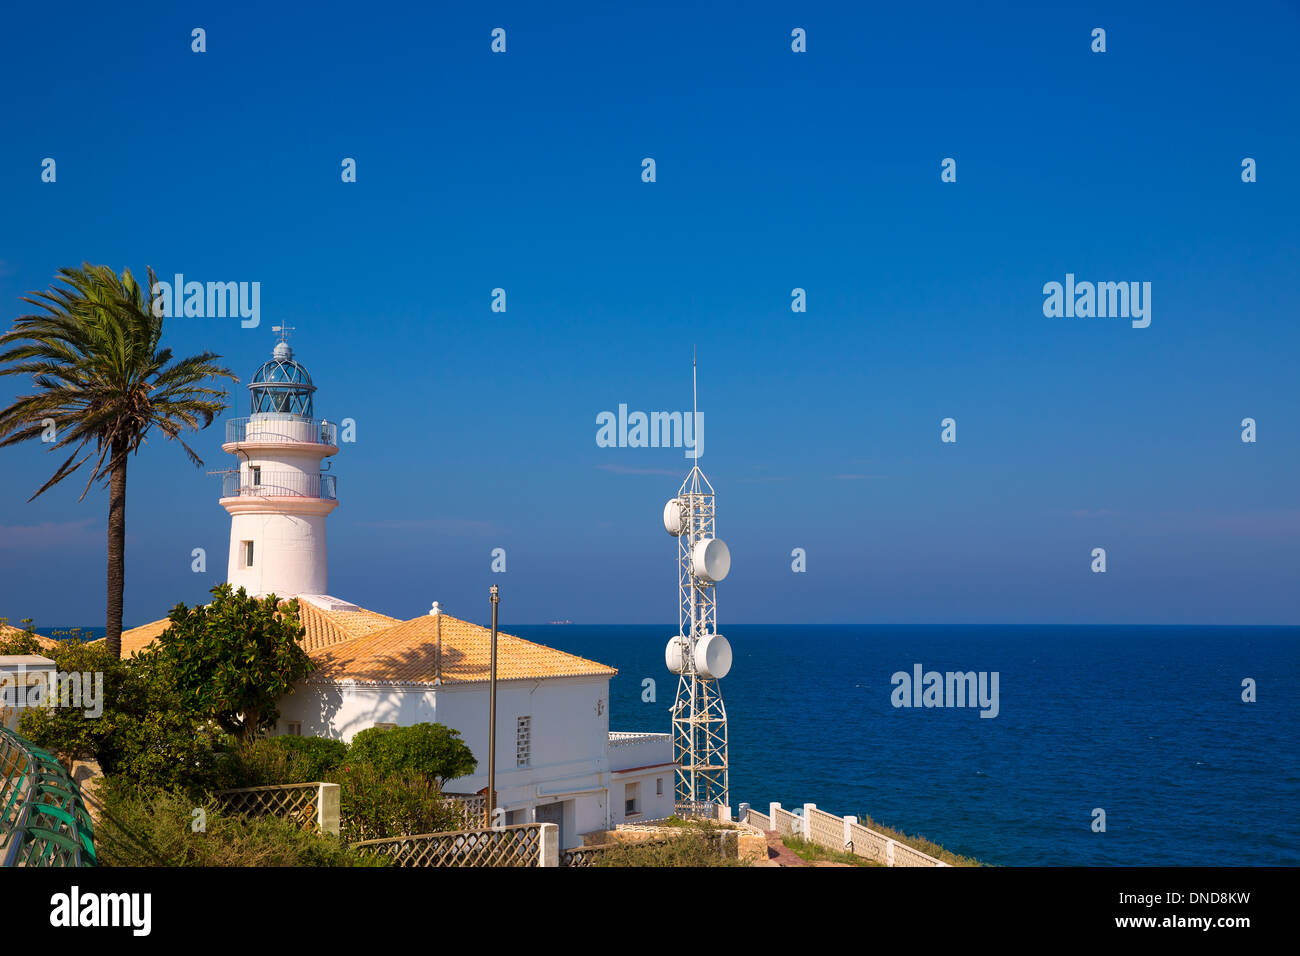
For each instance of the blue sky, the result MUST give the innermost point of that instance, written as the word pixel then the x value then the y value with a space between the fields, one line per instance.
pixel 775 170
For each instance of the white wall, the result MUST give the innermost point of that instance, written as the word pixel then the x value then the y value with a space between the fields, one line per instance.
pixel 17 673
pixel 569 736
pixel 289 554
pixel 645 759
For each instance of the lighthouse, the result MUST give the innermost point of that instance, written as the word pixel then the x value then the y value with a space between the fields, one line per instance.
pixel 282 492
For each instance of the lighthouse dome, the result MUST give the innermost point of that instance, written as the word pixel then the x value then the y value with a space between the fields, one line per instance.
pixel 282 385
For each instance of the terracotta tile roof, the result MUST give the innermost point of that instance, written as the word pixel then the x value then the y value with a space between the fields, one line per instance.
pixel 406 653
pixel 325 627
pixel 136 639
pixel 322 627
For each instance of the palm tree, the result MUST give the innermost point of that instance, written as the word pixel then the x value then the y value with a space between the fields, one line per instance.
pixel 102 383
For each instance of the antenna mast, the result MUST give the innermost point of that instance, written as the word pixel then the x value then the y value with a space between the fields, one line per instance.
pixel 699 655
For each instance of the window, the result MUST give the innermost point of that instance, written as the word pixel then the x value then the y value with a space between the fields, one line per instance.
pixel 523 741
pixel 631 799
pixel 295 728
pixel 247 548
pixel 659 786
pixel 255 474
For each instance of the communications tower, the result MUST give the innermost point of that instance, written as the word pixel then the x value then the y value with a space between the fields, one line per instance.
pixel 699 655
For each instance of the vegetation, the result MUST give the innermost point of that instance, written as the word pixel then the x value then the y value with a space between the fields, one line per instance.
pixel 102 384
pixel 816 853
pixel 432 750
pixel 164 828
pixel 375 803
pixel 144 733
pixel 233 658
pixel 18 641
pixel 919 843
pixel 694 822
pixel 688 849
pixel 283 760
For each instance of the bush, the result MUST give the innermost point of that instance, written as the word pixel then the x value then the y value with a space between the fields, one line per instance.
pixel 284 760
pixel 17 641
pixel 144 731
pixel 433 751
pixel 689 849
pixel 375 803
pixel 157 829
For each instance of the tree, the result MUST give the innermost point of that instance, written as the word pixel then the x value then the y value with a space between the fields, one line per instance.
pixel 433 751
pixel 233 658
pixel 140 728
pixel 22 640
pixel 102 385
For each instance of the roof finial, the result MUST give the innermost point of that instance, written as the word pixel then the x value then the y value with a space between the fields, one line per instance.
pixel 283 351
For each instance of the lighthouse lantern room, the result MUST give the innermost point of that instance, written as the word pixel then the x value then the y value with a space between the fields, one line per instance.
pixel 280 495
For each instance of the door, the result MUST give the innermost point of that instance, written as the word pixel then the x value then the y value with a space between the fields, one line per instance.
pixel 553 813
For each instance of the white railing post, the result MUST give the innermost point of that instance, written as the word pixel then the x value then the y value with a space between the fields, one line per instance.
pixel 889 853
pixel 549 845
pixel 848 831
pixel 743 811
pixel 327 808
pixel 772 809
pixel 808 808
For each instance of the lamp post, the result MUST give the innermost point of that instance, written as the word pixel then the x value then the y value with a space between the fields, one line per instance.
pixel 490 804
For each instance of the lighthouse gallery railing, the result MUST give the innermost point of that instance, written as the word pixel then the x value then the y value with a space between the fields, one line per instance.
pixel 281 427
pixel 275 484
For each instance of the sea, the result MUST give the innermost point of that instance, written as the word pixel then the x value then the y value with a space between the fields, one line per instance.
pixel 1145 724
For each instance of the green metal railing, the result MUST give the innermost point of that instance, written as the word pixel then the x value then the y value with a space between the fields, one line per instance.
pixel 43 820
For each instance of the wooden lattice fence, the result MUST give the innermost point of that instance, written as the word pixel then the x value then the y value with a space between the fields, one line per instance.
pixel 519 845
pixel 299 803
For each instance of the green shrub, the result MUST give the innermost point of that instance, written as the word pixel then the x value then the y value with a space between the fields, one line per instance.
pixel 158 829
pixel 145 732
pixel 375 803
pixel 688 849
pixel 19 641
pixel 283 760
pixel 433 751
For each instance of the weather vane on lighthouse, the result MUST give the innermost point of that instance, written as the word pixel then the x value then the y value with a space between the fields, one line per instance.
pixel 699 655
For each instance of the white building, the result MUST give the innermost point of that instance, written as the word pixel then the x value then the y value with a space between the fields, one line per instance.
pixel 556 760
pixel 18 672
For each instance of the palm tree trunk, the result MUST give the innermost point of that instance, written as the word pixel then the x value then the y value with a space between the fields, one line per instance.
pixel 116 548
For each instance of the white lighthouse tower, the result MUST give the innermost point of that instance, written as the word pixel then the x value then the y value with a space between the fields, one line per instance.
pixel 281 494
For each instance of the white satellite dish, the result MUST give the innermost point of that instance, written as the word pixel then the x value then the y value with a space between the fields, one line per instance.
pixel 713 656
pixel 674 517
pixel 710 560
pixel 675 655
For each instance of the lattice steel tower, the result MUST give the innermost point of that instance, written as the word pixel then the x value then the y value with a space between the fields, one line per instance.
pixel 698 654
